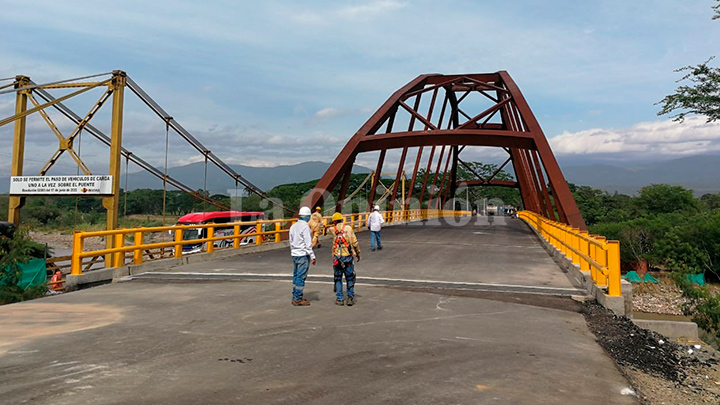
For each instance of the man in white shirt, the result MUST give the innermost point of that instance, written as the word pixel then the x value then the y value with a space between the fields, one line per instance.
pixel 302 255
pixel 375 221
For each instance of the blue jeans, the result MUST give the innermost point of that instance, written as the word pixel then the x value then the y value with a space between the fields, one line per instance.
pixel 375 240
pixel 346 268
pixel 300 270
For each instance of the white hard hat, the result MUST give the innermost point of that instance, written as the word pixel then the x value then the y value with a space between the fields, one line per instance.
pixel 376 208
pixel 304 211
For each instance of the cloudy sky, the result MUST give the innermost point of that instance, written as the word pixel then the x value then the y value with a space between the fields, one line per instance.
pixel 280 82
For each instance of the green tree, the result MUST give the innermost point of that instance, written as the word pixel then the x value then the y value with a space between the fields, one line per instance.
pixel 702 94
pixel 18 249
pixel 710 201
pixel 663 198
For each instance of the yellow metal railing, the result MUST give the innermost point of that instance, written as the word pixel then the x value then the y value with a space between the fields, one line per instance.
pixel 593 253
pixel 267 231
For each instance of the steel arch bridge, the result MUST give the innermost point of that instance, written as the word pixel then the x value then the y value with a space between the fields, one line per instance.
pixel 452 119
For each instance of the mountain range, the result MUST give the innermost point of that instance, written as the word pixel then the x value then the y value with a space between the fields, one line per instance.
pixel 699 173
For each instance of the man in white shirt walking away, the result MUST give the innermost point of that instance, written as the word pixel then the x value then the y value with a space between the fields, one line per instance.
pixel 302 255
pixel 375 221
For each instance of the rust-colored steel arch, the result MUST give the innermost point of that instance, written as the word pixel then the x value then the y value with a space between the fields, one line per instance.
pixel 506 122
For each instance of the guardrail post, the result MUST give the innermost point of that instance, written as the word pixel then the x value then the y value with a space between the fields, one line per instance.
pixel 76 260
pixel 575 245
pixel 278 226
pixel 209 242
pixel 540 229
pixel 137 253
pixel 178 246
pixel 568 242
pixel 258 233
pixel 584 249
pixel 592 249
pixel 614 288
pixel 118 257
pixel 236 236
pixel 602 252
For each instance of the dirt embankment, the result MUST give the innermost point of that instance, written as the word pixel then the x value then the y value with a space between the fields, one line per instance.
pixel 662 371
pixel 61 244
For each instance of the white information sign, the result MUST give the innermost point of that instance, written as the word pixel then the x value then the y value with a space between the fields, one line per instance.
pixel 61 185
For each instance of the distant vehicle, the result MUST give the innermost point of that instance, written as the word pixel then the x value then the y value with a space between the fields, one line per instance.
pixel 218 217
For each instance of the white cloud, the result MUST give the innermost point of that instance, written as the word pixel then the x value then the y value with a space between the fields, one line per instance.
pixel 670 138
pixel 331 112
pixel 327 113
pixel 371 9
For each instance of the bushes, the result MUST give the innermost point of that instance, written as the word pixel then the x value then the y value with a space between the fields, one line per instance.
pixel 668 228
pixel 18 249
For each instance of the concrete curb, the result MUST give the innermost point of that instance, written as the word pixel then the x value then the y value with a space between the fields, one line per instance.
pixel 671 329
pixel 621 306
pixel 113 274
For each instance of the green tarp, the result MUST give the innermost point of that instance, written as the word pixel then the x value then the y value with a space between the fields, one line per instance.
pixel 650 279
pixel 698 279
pixel 633 277
pixel 32 274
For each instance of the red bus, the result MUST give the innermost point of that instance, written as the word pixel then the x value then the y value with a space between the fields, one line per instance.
pixel 218 217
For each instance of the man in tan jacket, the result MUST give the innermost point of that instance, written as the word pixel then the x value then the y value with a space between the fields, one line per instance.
pixel 345 248
pixel 316 226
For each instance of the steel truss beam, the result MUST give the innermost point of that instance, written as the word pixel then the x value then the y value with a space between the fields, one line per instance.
pixel 506 122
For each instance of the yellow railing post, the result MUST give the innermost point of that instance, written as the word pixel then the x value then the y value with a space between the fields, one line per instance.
pixel 602 251
pixel 76 260
pixel 178 246
pixel 614 288
pixel 137 253
pixel 118 257
pixel 210 243
pixel 584 249
pixel 575 245
pixel 258 233
pixel 592 252
pixel 278 225
pixel 236 236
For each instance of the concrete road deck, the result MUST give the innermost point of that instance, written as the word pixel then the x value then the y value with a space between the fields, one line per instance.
pixel 471 251
pixel 241 342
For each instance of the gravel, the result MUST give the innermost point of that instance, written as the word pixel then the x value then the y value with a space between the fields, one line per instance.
pixel 661 370
pixel 662 298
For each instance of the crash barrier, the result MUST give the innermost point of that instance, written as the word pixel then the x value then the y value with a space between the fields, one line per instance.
pixel 593 253
pixel 265 231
